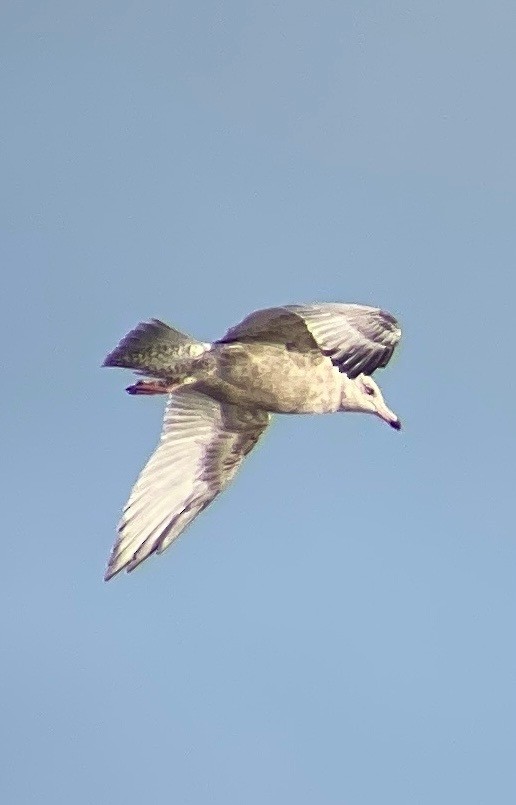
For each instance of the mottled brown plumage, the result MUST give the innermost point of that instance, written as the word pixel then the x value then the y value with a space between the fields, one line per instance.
pixel 293 359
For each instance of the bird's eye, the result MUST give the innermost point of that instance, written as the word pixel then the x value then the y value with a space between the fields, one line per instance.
pixel 369 390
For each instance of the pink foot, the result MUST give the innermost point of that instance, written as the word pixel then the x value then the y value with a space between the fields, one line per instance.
pixel 150 387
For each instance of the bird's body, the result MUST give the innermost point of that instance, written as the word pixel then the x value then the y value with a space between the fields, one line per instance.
pixel 266 376
pixel 292 359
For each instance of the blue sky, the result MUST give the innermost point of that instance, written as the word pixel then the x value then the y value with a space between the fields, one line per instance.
pixel 339 627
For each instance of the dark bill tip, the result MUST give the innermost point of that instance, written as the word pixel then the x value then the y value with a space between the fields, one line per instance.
pixel 396 424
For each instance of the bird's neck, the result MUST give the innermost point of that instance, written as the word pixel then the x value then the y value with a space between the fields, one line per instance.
pixel 351 395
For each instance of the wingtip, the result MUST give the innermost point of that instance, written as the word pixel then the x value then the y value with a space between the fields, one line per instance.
pixel 110 573
pixel 114 567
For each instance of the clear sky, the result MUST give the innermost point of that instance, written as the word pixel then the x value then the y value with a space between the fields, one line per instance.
pixel 338 627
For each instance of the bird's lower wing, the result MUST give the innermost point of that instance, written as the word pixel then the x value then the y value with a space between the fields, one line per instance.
pixel 202 444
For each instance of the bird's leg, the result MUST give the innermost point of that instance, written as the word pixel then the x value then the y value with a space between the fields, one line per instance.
pixel 152 387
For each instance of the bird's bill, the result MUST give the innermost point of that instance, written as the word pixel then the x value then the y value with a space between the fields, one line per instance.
pixel 388 416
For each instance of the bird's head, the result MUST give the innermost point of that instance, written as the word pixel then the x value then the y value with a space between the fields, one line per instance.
pixel 368 398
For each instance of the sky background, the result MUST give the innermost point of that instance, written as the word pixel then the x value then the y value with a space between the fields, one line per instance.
pixel 339 626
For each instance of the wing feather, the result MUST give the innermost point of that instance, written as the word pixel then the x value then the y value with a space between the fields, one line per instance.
pixel 356 338
pixel 203 442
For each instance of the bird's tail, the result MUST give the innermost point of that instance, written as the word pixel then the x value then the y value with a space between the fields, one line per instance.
pixel 155 349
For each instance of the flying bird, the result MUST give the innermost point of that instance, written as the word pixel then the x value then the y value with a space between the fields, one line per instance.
pixel 295 359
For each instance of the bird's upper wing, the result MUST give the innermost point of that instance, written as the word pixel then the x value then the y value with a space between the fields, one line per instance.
pixel 356 338
pixel 202 445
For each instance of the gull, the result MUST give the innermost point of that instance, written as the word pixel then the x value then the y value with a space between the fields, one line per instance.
pixel 296 359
